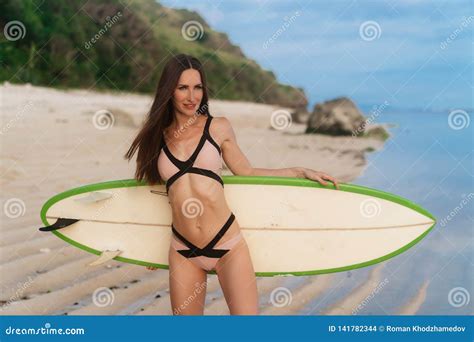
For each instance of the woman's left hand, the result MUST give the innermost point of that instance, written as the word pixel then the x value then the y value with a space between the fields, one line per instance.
pixel 320 177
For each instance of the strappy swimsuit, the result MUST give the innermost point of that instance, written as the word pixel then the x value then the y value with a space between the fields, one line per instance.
pixel 205 161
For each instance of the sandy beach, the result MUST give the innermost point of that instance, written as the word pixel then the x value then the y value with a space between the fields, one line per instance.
pixel 50 144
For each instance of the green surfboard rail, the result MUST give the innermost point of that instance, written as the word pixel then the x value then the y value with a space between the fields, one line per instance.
pixel 255 180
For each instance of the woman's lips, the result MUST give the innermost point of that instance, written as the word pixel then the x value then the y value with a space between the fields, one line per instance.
pixel 190 106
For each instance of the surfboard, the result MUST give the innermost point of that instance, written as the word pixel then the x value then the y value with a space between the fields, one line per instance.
pixel 293 226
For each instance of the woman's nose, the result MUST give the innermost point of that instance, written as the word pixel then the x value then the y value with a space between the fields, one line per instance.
pixel 191 96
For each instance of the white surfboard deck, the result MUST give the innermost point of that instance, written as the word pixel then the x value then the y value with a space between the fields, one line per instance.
pixel 292 226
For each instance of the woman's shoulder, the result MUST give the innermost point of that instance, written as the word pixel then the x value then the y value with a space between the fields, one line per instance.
pixel 221 123
pixel 221 129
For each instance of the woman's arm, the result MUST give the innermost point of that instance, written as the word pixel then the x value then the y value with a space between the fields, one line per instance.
pixel 240 165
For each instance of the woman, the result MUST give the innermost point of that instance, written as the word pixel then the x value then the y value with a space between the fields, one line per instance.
pixel 182 144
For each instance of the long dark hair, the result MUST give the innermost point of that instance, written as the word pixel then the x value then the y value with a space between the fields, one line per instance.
pixel 148 141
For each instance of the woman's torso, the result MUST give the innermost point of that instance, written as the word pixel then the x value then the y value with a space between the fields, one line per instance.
pixel 197 201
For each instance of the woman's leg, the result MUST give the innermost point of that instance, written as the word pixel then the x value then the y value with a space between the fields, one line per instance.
pixel 237 279
pixel 187 285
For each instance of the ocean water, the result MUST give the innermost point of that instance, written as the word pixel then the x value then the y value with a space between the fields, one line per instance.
pixel 429 160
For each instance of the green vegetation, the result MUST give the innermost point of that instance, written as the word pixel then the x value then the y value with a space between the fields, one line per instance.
pixel 377 132
pixel 107 44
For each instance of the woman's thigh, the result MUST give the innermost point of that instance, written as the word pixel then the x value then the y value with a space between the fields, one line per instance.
pixel 237 279
pixel 187 285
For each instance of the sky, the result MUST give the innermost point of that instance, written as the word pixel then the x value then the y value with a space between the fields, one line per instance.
pixel 405 53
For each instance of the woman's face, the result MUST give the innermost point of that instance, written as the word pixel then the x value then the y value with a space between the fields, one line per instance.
pixel 188 93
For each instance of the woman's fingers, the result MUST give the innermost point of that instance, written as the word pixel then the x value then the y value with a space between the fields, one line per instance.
pixel 332 179
pixel 320 180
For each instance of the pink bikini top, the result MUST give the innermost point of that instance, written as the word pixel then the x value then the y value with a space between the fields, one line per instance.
pixel 205 160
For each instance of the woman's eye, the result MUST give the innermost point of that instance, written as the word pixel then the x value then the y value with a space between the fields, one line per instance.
pixel 183 87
